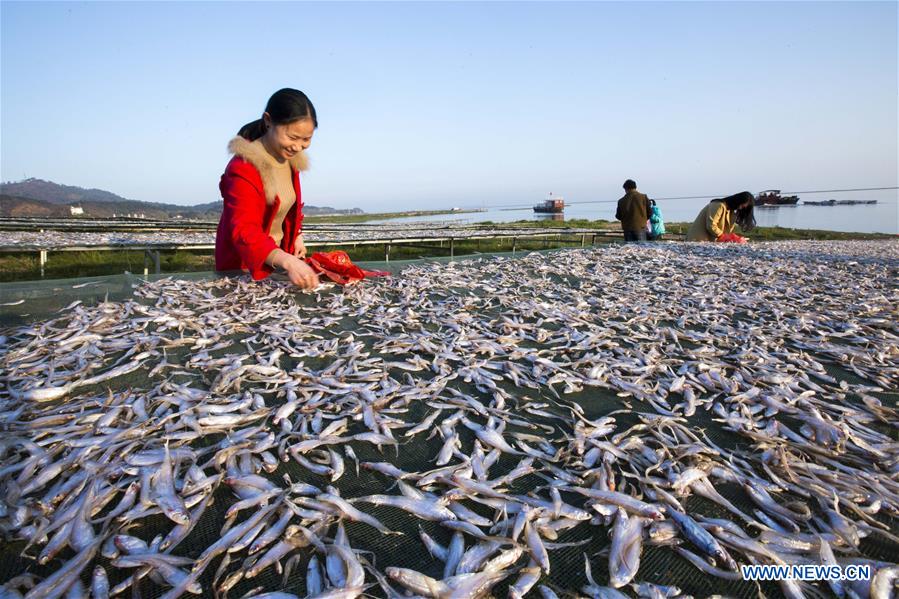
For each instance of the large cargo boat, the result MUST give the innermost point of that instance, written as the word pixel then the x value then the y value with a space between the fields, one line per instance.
pixel 552 205
pixel 772 197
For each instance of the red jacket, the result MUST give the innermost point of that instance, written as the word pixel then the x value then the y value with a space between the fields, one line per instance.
pixel 242 241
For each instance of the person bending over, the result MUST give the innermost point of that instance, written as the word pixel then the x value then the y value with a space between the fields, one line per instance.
pixel 721 216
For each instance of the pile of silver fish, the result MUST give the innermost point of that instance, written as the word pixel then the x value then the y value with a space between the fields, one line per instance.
pixel 461 429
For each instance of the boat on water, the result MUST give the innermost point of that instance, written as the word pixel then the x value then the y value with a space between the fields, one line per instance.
pixel 551 205
pixel 839 202
pixel 772 197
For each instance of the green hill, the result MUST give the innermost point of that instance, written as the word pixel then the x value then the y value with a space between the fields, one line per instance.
pixel 37 197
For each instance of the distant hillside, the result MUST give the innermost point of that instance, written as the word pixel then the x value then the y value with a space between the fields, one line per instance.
pixel 36 197
pixel 18 206
pixel 12 206
pixel 38 189
pixel 322 210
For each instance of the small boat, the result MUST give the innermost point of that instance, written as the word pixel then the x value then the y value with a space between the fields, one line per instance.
pixel 552 205
pixel 772 197
pixel 839 202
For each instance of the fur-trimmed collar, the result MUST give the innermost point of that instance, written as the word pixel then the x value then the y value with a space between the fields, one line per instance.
pixel 259 157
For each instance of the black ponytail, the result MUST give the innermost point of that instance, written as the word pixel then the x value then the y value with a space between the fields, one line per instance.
pixel 743 203
pixel 284 107
pixel 252 131
pixel 745 218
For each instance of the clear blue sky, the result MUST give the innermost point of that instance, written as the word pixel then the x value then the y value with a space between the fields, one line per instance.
pixel 456 104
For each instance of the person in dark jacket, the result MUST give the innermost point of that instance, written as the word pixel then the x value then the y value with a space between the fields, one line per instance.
pixel 633 212
pixel 260 229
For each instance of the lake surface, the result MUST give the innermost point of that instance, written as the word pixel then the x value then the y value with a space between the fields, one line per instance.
pixel 882 217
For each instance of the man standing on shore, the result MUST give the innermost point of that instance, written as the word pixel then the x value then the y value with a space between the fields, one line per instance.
pixel 633 212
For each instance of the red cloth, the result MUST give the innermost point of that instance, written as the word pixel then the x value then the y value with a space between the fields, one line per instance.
pixel 338 267
pixel 242 240
pixel 731 238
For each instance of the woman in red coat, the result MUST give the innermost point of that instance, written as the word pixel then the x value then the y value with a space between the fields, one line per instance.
pixel 261 225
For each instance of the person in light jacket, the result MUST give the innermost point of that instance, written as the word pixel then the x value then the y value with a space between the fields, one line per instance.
pixel 260 229
pixel 656 226
pixel 721 216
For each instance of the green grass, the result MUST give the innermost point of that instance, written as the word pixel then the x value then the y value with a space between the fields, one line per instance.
pixel 375 253
pixel 26 267
pixel 60 265
pixel 784 234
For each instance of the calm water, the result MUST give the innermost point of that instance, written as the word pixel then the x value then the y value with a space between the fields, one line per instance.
pixel 882 217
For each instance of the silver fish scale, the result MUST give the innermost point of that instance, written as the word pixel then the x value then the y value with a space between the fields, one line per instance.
pixel 569 393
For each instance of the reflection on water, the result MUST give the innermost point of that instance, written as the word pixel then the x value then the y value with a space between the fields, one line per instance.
pixel 556 216
pixel 882 217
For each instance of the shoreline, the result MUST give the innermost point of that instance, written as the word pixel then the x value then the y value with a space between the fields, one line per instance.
pixel 366 217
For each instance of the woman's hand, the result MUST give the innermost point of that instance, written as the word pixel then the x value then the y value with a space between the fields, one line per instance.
pixel 300 247
pixel 300 273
